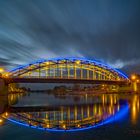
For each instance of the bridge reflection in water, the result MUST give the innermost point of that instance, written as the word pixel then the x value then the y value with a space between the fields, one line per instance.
pixel 68 117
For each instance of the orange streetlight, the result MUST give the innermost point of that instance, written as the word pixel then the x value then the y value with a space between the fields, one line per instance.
pixel 133 77
pixel 1 70
pixel 1 120
pixel 6 74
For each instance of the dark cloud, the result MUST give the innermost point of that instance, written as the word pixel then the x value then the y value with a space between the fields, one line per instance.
pixel 103 29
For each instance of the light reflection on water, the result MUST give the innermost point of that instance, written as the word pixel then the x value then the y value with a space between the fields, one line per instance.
pixel 74 111
pixel 135 109
pixel 125 122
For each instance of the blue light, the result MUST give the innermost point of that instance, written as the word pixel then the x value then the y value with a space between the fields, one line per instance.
pixel 120 114
pixel 72 59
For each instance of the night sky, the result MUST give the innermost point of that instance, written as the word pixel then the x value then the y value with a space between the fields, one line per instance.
pixel 108 30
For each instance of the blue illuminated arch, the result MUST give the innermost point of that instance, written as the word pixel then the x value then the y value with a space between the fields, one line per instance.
pixel 117 116
pixel 89 61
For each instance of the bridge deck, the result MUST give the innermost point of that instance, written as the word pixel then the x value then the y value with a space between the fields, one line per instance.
pixel 62 80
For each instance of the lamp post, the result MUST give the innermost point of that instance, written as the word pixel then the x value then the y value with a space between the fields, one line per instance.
pixel 134 82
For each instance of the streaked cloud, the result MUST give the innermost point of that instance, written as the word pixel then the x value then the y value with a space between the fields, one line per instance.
pixel 105 30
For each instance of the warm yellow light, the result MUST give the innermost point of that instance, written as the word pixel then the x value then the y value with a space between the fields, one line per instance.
pixel 47 63
pixel 48 125
pixel 77 62
pixel 133 77
pixel 118 79
pixel 64 126
pixel 78 125
pixel 6 114
pixel 6 74
pixel 1 70
pixel 1 120
pixel 138 81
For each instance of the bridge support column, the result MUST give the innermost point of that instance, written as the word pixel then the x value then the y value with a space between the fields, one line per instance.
pixel 69 113
pixel 93 75
pixel 82 113
pixel 61 72
pixel 75 71
pixel 3 87
pixel 87 74
pixel 39 71
pixel 81 73
pixel 3 96
pixel 68 69
pixel 134 86
pixel 75 113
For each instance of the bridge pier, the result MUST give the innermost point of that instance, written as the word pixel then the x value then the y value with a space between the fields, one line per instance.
pixel 3 87
pixel 135 86
pixel 3 96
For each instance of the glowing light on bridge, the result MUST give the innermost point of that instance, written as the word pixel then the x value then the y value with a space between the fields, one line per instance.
pixel 133 77
pixel 1 70
pixel 1 120
pixel 69 68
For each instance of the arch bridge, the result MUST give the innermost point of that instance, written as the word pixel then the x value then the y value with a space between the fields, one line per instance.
pixel 67 70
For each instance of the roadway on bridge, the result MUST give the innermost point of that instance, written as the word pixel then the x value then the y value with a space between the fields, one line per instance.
pixel 62 80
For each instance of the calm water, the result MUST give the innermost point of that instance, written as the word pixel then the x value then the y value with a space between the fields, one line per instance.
pixel 118 115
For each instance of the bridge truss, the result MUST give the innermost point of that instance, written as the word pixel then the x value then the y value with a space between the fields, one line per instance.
pixel 68 68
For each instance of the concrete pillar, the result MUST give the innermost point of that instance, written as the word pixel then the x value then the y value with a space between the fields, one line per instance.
pixel 134 86
pixel 3 87
pixel 3 96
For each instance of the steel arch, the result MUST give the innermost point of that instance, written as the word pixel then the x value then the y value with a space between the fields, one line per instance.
pixel 70 68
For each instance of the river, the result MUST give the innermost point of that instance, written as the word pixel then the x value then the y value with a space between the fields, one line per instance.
pixel 72 117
